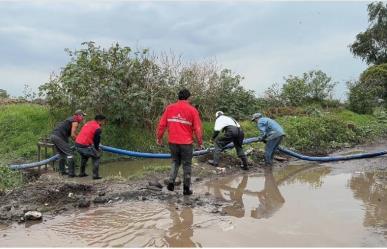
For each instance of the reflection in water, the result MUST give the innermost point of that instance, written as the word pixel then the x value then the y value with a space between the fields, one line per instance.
pixel 181 231
pixel 371 188
pixel 264 202
pixel 270 198
pixel 237 209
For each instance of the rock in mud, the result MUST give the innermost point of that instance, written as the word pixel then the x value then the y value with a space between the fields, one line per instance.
pixel 33 215
pixel 7 208
pixel 155 183
pixel 101 193
pixel 199 203
pixel 198 179
pixel 83 203
pixel 154 188
pixel 223 213
pixel 177 181
pixel 215 210
pixel 100 200
pixel 280 158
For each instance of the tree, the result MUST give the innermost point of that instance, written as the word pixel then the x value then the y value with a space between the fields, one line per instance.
pixel 320 85
pixel 273 96
pixel 371 45
pixel 133 87
pixel 313 86
pixel 370 90
pixel 295 91
pixel 3 94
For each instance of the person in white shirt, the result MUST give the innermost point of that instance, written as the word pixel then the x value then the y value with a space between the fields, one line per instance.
pixel 231 132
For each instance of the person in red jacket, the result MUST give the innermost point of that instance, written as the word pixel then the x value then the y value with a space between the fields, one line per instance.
pixel 182 120
pixel 87 144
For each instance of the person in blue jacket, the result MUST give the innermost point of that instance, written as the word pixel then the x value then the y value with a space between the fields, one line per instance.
pixel 271 133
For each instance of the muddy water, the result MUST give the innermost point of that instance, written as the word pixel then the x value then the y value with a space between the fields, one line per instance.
pixel 127 168
pixel 298 205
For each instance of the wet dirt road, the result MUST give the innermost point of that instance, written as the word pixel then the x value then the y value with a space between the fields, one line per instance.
pixel 336 204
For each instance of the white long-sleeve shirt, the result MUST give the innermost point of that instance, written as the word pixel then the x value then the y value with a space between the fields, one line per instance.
pixel 223 121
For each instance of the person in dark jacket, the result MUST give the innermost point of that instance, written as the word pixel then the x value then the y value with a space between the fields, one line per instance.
pixel 87 144
pixel 182 120
pixel 60 138
pixel 227 130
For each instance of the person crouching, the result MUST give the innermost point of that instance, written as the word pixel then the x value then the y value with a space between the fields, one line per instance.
pixel 87 144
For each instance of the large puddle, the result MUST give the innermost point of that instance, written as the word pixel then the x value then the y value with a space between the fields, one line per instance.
pixel 128 168
pixel 299 205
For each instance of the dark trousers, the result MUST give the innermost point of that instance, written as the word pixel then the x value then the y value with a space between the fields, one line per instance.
pixel 66 154
pixel 270 148
pixel 86 153
pixel 181 154
pixel 231 134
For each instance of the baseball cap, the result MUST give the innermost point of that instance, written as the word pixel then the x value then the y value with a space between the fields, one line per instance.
pixel 255 116
pixel 80 112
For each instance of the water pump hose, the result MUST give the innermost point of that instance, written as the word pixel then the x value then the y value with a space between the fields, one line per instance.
pixel 204 152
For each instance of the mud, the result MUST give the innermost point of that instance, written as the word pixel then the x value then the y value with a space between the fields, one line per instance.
pixel 53 194
pixel 294 204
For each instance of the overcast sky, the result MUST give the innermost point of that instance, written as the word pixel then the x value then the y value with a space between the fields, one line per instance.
pixel 262 41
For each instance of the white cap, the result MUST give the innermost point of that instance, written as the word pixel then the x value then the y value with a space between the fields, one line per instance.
pixel 218 113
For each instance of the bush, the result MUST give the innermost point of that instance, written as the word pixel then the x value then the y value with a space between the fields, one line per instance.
pixel 132 88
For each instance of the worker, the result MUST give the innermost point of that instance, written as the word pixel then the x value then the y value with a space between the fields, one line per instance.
pixel 87 144
pixel 227 130
pixel 271 133
pixel 182 120
pixel 60 138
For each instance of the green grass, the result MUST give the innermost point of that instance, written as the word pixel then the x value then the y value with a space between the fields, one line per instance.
pixel 9 178
pixel 21 126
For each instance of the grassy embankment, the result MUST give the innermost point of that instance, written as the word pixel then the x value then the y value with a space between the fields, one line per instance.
pixel 22 125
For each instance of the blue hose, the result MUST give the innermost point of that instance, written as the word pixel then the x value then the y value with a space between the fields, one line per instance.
pixel 204 152
pixel 35 164
pixel 331 158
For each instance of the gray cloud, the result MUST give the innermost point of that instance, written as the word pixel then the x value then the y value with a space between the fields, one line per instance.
pixel 278 38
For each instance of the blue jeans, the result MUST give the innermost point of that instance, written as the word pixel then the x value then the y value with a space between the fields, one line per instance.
pixel 270 148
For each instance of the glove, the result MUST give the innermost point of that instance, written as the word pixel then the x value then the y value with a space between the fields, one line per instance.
pixel 201 147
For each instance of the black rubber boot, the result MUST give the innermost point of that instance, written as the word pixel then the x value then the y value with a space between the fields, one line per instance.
pixel 213 163
pixel 71 165
pixel 244 165
pixel 171 186
pixel 96 169
pixel 82 172
pixel 62 169
pixel 187 191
